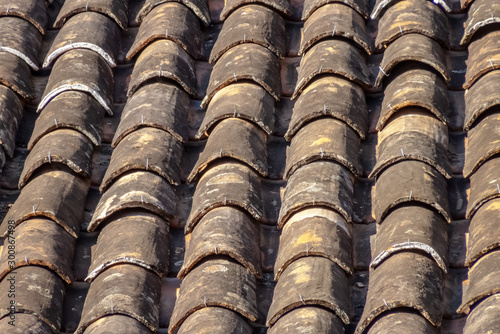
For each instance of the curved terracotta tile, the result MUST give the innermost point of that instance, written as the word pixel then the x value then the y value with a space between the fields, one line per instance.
pixel 484 317
pixel 172 21
pixel 320 183
pixel 480 14
pixel 332 57
pixel 33 11
pixel 282 6
pixel 139 238
pixel 81 70
pixel 70 110
pixel 16 74
pixel 483 57
pixel 115 9
pixel 484 186
pixel 315 232
pixel 311 281
pixel 199 7
pixel 216 282
pixel 251 24
pixel 224 231
pixel 239 100
pixel 80 33
pixel 245 62
pixel 21 38
pixel 10 119
pixel 482 96
pixel 310 319
pixel 483 231
pixel 381 5
pixel 334 19
pixel 163 59
pixel 146 149
pixel 330 96
pixel 214 319
pixel 237 139
pixel 361 6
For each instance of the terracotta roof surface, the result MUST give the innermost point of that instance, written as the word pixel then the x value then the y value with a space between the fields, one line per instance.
pixel 249 166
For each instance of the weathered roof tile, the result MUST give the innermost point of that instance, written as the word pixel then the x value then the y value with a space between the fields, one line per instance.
pixel 247 61
pixel 224 231
pixel 70 110
pixel 237 139
pixel 404 280
pixel 136 189
pixel 40 242
pixel 115 9
pixel 39 292
pixel 330 96
pixel 164 59
pixel 312 280
pixel 334 19
pixel 11 113
pixel 199 7
pixel 148 149
pixel 81 70
pixel 315 232
pixel 251 24
pixel 139 238
pixel 310 319
pixel 481 14
pixel 226 183
pixel 64 146
pixel 33 11
pixel 214 319
pixel 216 282
pixel 21 38
pixel 412 227
pixel 242 100
pixel 123 289
pixel 482 96
pixel 64 203
pixel 282 6
pixel 484 185
pixel 483 232
pixel 172 21
pixel 310 6
pixel 80 32
pixel 484 317
pixel 413 47
pixel 336 57
pixel 16 74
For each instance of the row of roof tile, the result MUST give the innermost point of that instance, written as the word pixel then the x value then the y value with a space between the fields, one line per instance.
pixel 481 163
pixel 410 202
pixel 329 121
pixel 222 259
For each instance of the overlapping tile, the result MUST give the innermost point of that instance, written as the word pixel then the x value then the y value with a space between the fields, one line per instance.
pixel 381 6
pixel 40 242
pixel 172 21
pixel 315 232
pixel 224 231
pixel 484 317
pixel 314 281
pixel 139 238
pixel 212 319
pixel 330 96
pixel 20 38
pixel 70 110
pixel 413 47
pixel 242 100
pixel 251 24
pixel 247 61
pixel 80 32
pixel 483 281
pixel 199 7
pixel 332 56
pixel 147 149
pixel 334 19
pixel 123 289
pixel 220 283
pixel 282 6
pixel 158 105
pixel 480 98
pixel 404 280
pixel 325 139
pixel 39 292
pixel 411 85
pixel 71 72
pixel 115 9
pixel 15 74
pixel 310 6
pixel 422 184
pixel 236 139
pixel 64 204
pixel 225 184
pixel 308 319
pixel 137 189
pixel 321 183
pixel 33 11
pixel 61 146
pixel 412 228
pixel 10 118
pixel 405 17
pixel 481 14
pixel 164 59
